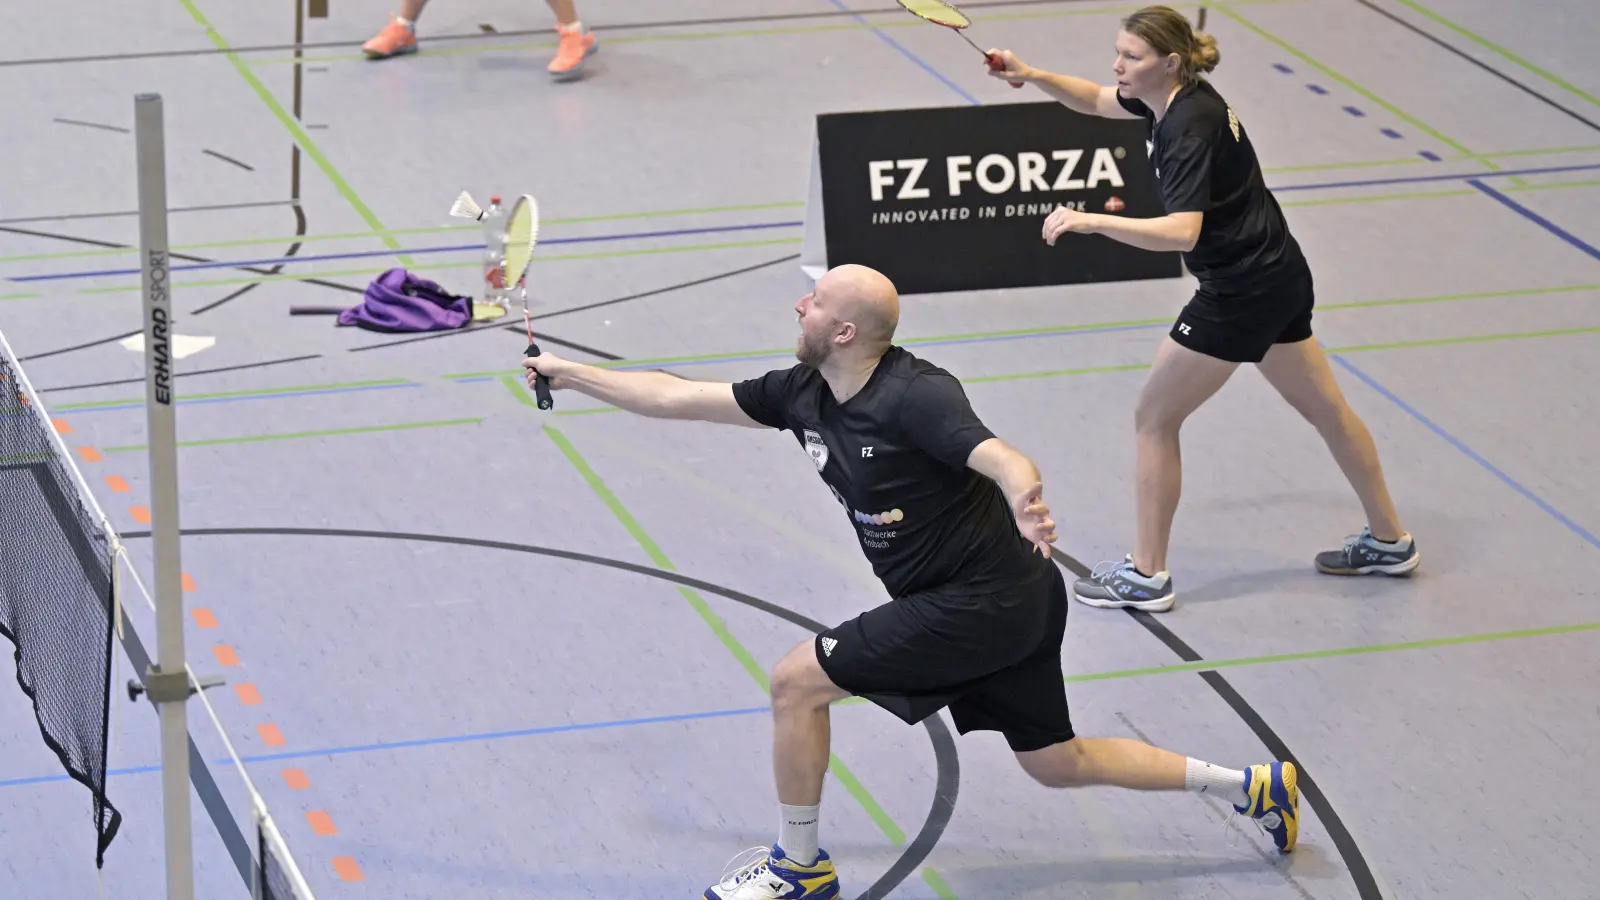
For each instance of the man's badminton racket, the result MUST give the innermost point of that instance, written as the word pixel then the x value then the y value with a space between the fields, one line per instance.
pixel 522 235
pixel 516 252
pixel 941 13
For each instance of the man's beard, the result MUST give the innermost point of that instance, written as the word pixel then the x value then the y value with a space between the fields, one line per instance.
pixel 813 353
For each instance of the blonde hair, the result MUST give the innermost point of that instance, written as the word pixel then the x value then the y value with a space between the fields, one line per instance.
pixel 1168 31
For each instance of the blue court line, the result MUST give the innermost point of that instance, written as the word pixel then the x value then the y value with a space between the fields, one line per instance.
pixel 1415 179
pixel 838 4
pixel 1471 454
pixel 139 404
pixel 416 251
pixel 428 742
pixel 1537 219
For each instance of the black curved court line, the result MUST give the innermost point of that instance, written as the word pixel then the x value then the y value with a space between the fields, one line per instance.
pixel 1354 862
pixel 948 764
pixel 536 32
pixel 1477 62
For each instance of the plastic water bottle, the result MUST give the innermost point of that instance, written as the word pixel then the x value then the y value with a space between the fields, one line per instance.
pixel 494 260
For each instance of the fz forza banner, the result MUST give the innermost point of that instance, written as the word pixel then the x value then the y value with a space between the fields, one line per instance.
pixel 955 198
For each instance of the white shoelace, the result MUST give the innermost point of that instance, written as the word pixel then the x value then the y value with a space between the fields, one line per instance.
pixel 745 866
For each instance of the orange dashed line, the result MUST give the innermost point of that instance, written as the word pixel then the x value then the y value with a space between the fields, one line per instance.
pixel 90 454
pixel 347 869
pixel 320 823
pixel 188 582
pixel 248 695
pixel 271 735
pixel 225 655
pixel 141 514
pixel 205 618
pixel 61 426
pixel 117 484
pixel 296 780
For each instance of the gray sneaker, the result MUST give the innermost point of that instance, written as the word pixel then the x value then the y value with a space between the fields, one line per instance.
pixel 1362 554
pixel 1115 585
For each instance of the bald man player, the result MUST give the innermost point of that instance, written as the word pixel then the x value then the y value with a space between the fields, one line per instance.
pixel 954 524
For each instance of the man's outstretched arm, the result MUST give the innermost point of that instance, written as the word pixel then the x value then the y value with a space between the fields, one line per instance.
pixel 653 394
pixel 1019 479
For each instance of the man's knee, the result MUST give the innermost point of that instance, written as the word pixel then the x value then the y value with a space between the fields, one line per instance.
pixel 798 679
pixel 1056 766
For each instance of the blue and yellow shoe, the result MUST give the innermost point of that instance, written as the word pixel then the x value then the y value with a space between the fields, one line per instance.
pixel 761 873
pixel 1274 802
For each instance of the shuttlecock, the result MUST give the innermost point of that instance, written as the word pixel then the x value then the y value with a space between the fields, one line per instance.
pixel 466 208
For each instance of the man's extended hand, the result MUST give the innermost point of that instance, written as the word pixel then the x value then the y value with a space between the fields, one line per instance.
pixel 550 366
pixel 1033 518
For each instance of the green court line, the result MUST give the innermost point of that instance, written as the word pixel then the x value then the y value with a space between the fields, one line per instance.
pixel 1347 82
pixel 1420 195
pixel 1068 329
pixel 332 432
pixel 288 121
pixel 846 777
pixel 1417 160
pixel 19 296
pixel 436 267
pixel 1490 45
pixel 438 229
pixel 297 389
pixel 1432 643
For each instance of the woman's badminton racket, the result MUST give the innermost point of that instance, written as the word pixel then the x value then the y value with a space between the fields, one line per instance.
pixel 521 236
pixel 941 13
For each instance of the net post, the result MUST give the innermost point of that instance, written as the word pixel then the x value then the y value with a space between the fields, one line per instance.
pixel 168 680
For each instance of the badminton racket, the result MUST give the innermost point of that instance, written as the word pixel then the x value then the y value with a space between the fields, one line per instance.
pixel 517 241
pixel 521 236
pixel 941 13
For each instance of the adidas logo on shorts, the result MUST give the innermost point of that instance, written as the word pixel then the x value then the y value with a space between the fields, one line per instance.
pixel 827 646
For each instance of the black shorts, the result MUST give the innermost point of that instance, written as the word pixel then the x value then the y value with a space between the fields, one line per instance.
pixel 993 659
pixel 1240 324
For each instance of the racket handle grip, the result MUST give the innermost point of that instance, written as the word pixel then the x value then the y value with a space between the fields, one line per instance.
pixel 996 64
pixel 541 383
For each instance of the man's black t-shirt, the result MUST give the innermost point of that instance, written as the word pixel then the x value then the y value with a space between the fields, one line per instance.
pixel 1204 162
pixel 895 456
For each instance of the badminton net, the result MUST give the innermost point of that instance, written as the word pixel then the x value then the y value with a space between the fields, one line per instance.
pixel 57 591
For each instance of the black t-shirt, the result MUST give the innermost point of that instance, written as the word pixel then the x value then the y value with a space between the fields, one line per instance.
pixel 1204 162
pixel 895 456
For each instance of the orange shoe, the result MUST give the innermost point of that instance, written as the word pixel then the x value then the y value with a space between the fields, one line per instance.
pixel 395 38
pixel 576 47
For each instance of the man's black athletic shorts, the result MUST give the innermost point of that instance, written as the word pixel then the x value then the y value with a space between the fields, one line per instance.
pixel 993 659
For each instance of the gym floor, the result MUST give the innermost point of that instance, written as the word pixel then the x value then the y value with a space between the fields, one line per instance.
pixel 475 649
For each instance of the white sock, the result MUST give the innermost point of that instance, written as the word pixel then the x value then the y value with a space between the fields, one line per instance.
pixel 1205 778
pixel 406 22
pixel 574 26
pixel 797 833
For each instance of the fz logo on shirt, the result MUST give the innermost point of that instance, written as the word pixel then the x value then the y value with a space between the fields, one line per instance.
pixel 817 449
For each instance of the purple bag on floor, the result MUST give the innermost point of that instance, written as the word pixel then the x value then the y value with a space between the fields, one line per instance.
pixel 400 301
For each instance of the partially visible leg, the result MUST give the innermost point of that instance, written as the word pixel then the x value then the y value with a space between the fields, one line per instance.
pixel 1268 793
pixel 1299 371
pixel 1180 381
pixel 566 11
pixel 801 692
pixel 577 43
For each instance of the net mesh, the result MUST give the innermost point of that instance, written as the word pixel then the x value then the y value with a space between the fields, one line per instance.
pixel 57 602
pixel 279 877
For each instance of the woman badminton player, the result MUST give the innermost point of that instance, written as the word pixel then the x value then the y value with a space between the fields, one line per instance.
pixel 1253 304
pixel 577 44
